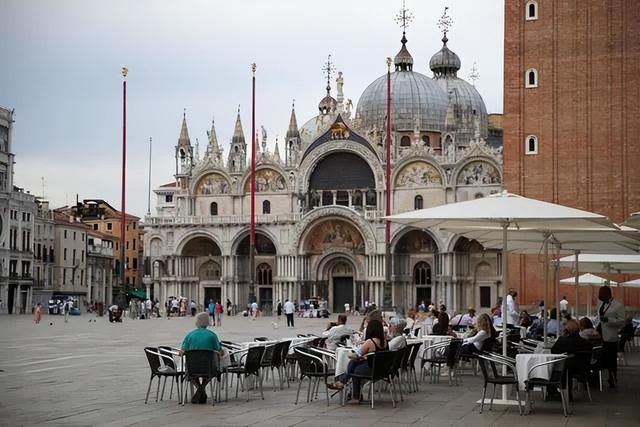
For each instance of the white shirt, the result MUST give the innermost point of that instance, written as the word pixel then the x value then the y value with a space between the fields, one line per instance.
pixel 512 311
pixel 174 303
pixel 564 304
pixel 346 306
pixel 289 308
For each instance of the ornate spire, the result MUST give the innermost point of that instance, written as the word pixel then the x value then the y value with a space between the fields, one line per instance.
pixel 196 156
pixel 276 152
pixel 184 140
pixel 293 131
pixel 238 134
pixel 444 23
pixel 474 74
pixel 328 104
pixel 213 149
pixel 403 60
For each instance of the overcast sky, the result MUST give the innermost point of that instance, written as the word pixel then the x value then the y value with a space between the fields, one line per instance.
pixel 61 64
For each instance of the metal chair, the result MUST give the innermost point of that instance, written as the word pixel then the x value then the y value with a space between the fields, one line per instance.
pixel 251 367
pixel 170 365
pixel 160 365
pixel 202 365
pixel 559 379
pixel 312 366
pixel 490 365
pixel 380 364
pixel 435 356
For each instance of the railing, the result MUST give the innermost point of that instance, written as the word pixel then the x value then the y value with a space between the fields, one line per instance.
pixel 245 219
pixel 99 250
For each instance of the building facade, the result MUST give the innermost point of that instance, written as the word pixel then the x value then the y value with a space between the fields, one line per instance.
pixel 571 85
pixel 17 218
pixel 320 202
pixel 43 253
pixel 70 261
pixel 100 262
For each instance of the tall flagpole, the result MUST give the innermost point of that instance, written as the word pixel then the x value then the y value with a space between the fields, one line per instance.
pixel 149 189
pixel 252 184
pixel 123 237
pixel 388 181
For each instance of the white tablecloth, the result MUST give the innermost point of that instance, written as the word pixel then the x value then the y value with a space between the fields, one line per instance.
pixel 524 362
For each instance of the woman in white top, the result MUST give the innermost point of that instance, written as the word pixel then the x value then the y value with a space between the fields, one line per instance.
pixel 473 344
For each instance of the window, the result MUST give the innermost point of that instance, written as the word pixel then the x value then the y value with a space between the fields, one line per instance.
pixel 134 225
pixel 418 202
pixel 168 198
pixel 135 263
pixel 127 248
pixel 426 140
pixel 74 257
pixel 82 256
pixel 65 234
pixel 64 275
pixel 531 78
pixel 422 274
pixel 213 209
pixel 82 236
pixel 74 235
pixel 405 141
pixel 531 145
pixel 266 207
pixel 485 296
pixel 531 13
pixel 264 274
pixel 95 226
pixel 109 226
pixel 64 254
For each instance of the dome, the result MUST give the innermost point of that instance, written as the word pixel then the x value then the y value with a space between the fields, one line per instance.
pixel 467 105
pixel 416 98
pixel 444 62
pixel 327 104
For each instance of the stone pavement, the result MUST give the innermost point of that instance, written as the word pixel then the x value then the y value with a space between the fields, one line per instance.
pixel 95 373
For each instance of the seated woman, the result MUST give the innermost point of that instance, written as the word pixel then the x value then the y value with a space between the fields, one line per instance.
pixel 588 332
pixel 375 341
pixel 443 327
pixel 475 343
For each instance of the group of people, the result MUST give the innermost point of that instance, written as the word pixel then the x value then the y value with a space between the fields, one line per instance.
pixel 143 309
pixel 215 311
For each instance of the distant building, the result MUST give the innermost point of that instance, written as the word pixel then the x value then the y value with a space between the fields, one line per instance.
pixel 43 252
pixel 17 218
pixel 103 218
pixel 70 262
pixel 100 271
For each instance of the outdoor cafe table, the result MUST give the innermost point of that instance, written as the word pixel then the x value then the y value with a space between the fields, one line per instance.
pixel 524 362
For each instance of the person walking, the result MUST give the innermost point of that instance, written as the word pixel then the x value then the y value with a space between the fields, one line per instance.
pixel 66 308
pixel 611 318
pixel 218 310
pixel 37 313
pixel 289 309
pixel 279 310
pixel 212 312
pixel 254 310
pixel 229 307
pixel 192 305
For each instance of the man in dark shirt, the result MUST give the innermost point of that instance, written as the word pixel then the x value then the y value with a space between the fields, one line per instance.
pixel 572 343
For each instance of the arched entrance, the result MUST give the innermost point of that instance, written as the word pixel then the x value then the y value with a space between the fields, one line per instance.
pixel 265 263
pixel 200 265
pixel 414 259
pixel 342 284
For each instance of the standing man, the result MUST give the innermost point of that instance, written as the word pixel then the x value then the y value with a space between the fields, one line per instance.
pixel 347 308
pixel 512 309
pixel 211 310
pixel 289 309
pixel 564 305
pixel 149 306
pixel 611 317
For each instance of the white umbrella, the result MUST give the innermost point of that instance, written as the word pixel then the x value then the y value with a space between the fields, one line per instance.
pixel 604 263
pixel 631 284
pixel 633 220
pixel 504 212
pixel 590 280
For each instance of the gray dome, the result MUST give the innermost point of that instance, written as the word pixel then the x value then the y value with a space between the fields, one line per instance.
pixel 445 62
pixel 414 98
pixel 467 104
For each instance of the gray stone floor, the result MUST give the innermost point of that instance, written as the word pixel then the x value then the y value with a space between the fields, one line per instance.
pixel 95 373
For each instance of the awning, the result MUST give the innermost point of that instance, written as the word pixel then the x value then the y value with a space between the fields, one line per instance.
pixel 138 293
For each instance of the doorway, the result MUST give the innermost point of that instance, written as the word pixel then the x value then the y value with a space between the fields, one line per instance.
pixel 214 294
pixel 423 294
pixel 342 293
pixel 11 298
pixel 265 298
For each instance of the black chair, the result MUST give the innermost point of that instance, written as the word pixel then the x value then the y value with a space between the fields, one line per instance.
pixel 453 360
pixel 435 355
pixel 251 367
pixel 201 365
pixel 490 365
pixel 402 355
pixel 380 364
pixel 160 366
pixel 312 366
pixel 276 362
pixel 283 361
pixel 579 370
pixel 558 379
pixel 261 339
pixel 170 365
pixel 595 365
pixel 409 365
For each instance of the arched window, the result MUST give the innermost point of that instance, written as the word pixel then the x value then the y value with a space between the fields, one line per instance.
pixel 422 274
pixel 531 13
pixel 264 274
pixel 405 141
pixel 213 209
pixel 531 144
pixel 418 202
pixel 266 207
pixel 531 78
pixel 426 140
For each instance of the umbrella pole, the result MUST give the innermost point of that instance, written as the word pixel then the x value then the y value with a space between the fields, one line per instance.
pixel 505 270
pixel 590 299
pixel 556 279
pixel 577 268
pixel 546 287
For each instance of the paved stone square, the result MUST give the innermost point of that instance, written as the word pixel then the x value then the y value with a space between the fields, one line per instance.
pixel 86 373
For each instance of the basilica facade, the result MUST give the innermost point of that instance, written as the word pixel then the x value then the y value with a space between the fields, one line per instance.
pixel 320 202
